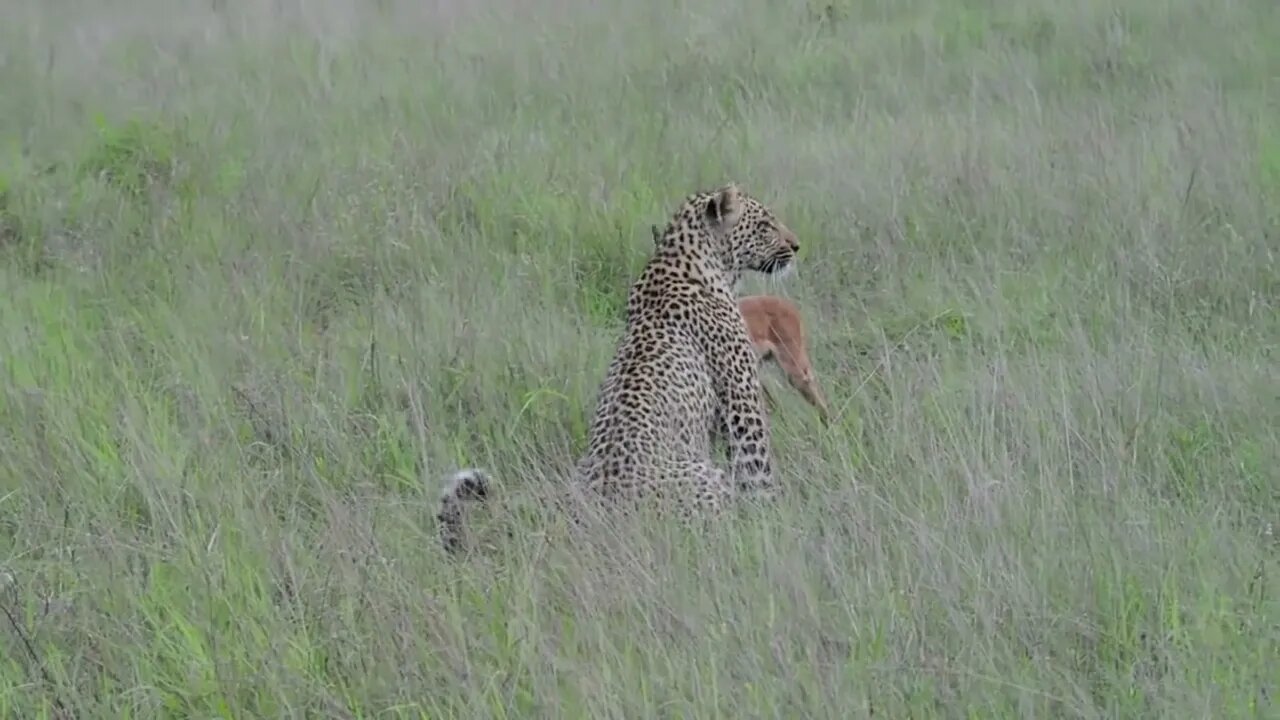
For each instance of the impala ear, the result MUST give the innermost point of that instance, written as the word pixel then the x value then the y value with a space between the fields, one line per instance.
pixel 724 209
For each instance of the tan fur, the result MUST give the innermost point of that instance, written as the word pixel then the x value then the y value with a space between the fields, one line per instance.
pixel 777 334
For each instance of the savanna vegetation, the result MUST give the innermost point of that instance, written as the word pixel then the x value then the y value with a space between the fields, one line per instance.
pixel 270 271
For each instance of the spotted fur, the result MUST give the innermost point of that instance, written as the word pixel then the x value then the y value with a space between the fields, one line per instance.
pixel 777 333
pixel 684 371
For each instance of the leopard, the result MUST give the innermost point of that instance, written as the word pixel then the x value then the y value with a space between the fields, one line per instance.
pixel 684 374
pixel 777 332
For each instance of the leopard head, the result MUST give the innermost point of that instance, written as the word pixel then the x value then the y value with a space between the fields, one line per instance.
pixel 739 230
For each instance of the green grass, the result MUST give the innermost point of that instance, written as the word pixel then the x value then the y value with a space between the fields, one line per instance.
pixel 268 273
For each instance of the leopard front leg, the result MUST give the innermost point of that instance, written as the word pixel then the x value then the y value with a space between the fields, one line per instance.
pixel 735 374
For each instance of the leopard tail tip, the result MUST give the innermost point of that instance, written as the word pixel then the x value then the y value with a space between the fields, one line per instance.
pixel 464 486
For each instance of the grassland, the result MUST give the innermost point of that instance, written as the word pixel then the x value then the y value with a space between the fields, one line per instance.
pixel 269 271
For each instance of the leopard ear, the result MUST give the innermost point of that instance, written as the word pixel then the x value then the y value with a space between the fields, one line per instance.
pixel 657 234
pixel 725 207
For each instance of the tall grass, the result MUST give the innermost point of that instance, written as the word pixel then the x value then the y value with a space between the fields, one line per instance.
pixel 269 271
